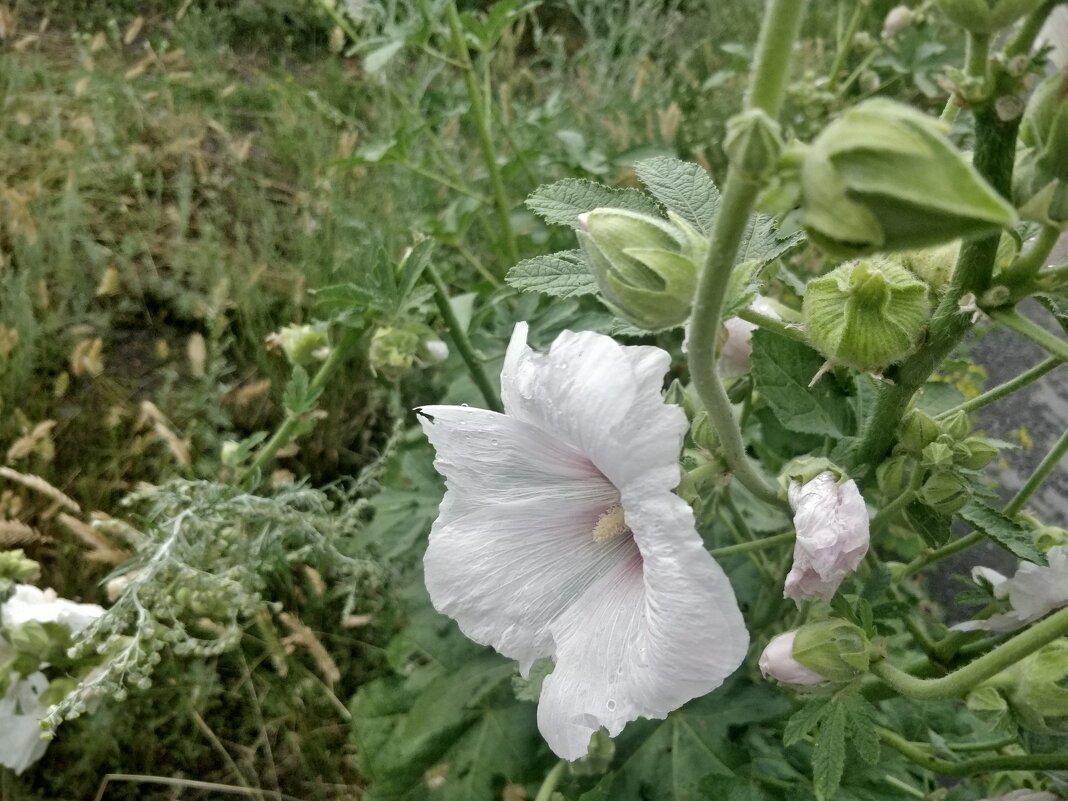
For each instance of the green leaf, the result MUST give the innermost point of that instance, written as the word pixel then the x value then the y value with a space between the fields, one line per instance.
pixel 932 526
pixel 804 720
pixel 828 757
pixel 299 397
pixel 863 736
pixel 682 187
pixel 563 275
pixel 782 370
pixel 673 759
pixel 1057 306
pixel 561 203
pixel 763 243
pixel 1003 530
pixel 529 689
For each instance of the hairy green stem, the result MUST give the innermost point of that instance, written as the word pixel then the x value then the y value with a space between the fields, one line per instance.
pixel 782 22
pixel 994 153
pixel 960 681
pixel 754 545
pixel 846 41
pixel 1001 390
pixel 459 338
pixel 1045 467
pixel 285 433
pixel 482 126
pixel 1014 321
pixel 971 767
pixel 552 778
pixel 777 327
pixel 1027 265
pixel 887 513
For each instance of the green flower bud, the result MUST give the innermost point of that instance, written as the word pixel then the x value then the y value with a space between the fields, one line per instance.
pixel 884 177
pixel 708 477
pixel 1040 179
pixel 753 143
pixel 1047 537
pixel 229 452
pixel 1035 693
pixel 646 267
pixel 16 567
pixel 393 350
pixel 893 475
pixel 918 430
pixel 934 265
pixel 957 425
pixel 866 314
pixel 836 649
pixel 937 454
pixel 805 468
pixel 703 432
pixel 945 492
pixel 979 453
pixel 986 16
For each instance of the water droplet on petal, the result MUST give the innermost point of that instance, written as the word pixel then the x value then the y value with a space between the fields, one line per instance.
pixel 611 704
pixel 464 405
pixel 495 442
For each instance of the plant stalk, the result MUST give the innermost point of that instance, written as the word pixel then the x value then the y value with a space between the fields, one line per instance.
pixel 970 767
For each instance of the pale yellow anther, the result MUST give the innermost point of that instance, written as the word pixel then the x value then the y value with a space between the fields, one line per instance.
pixel 610 524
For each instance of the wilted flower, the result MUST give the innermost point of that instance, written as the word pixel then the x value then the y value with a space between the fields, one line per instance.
pixel 1033 592
pixel 32 604
pixel 778 662
pixel 21 713
pixel 832 536
pixel 559 536
pixel 21 710
pixel 737 348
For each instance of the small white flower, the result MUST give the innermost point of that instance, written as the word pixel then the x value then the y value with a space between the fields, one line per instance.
pixel 1033 592
pixel 777 662
pixel 737 349
pixel 435 351
pixel 559 536
pixel 21 713
pixel 831 521
pixel 897 19
pixel 30 603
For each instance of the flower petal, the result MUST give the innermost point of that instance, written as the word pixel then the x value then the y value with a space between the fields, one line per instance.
pixel 655 632
pixel 506 572
pixel 602 398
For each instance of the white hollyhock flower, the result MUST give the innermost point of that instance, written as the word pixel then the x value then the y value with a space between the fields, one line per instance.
pixel 777 662
pixel 559 536
pixel 831 521
pixel 30 603
pixel 21 713
pixel 1033 592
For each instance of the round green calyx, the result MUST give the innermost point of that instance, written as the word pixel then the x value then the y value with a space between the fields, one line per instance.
pixel 393 350
pixel 986 16
pixel 645 267
pixel 945 492
pixel 883 177
pixel 918 430
pixel 836 649
pixel 866 314
pixel 1040 179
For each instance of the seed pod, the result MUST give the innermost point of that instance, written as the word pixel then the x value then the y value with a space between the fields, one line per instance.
pixel 866 314
pixel 918 430
pixel 945 492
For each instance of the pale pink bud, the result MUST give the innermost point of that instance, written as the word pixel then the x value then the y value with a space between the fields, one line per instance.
pixel 831 521
pixel 583 223
pixel 897 19
pixel 777 662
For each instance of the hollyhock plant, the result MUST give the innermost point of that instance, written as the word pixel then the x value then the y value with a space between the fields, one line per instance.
pixel 559 536
pixel 831 521
pixel 1033 592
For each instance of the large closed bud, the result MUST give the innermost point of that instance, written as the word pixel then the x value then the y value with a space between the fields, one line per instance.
pixel 835 649
pixel 645 267
pixel 866 314
pixel 777 662
pixel 1040 180
pixel 883 177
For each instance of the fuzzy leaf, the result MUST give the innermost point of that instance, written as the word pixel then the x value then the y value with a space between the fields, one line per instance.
pixel 763 243
pixel 804 720
pixel 828 757
pixel 561 203
pixel 862 733
pixel 1003 530
pixel 933 526
pixel 682 187
pixel 563 275
pixel 782 370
